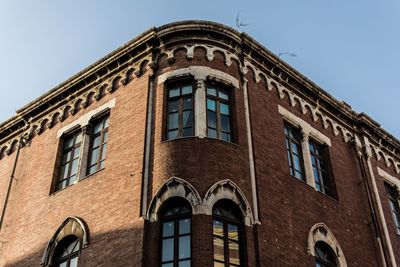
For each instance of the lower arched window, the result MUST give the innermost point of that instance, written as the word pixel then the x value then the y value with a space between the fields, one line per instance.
pixel 175 220
pixel 324 255
pixel 227 227
pixel 66 252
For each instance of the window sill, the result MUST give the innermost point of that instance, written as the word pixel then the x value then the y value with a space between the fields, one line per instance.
pixel 77 181
pixel 205 138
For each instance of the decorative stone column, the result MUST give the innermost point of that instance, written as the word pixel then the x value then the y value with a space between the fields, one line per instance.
pixel 85 146
pixel 200 109
pixel 308 168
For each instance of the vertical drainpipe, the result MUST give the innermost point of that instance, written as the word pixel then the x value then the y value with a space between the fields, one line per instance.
pixel 3 212
pixel 368 154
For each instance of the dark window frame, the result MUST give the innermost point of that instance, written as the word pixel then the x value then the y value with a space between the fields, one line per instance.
pixel 325 248
pixel 176 235
pixel 394 206
pixel 68 258
pixel 63 151
pixel 289 140
pixel 320 153
pixel 239 223
pixel 179 83
pixel 218 100
pixel 105 120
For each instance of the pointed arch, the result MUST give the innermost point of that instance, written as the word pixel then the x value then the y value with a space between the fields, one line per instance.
pixel 72 226
pixel 173 187
pixel 321 233
pixel 226 189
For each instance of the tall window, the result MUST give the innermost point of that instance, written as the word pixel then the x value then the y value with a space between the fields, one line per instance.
pixel 324 255
pixel 393 196
pixel 175 218
pixel 319 161
pixel 66 253
pixel 218 113
pixel 180 111
pixel 71 152
pixel 227 225
pixel 98 145
pixel 294 151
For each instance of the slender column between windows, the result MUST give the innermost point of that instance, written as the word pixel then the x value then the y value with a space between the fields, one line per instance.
pixel 200 109
pixel 86 132
pixel 307 158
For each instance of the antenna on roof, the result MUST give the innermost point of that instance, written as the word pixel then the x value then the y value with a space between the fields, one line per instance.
pixel 239 23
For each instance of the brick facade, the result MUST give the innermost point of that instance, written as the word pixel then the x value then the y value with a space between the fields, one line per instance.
pixel 119 204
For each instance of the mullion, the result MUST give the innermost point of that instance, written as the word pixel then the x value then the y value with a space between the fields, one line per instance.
pixel 100 148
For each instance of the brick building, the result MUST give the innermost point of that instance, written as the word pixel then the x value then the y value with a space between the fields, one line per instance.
pixel 193 145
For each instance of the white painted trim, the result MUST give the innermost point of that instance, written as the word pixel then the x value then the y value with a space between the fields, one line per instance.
pixel 85 118
pixel 389 178
pixel 200 73
pixel 251 157
pixel 305 126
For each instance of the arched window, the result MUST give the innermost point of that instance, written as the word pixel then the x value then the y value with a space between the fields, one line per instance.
pixel 67 252
pixel 175 220
pixel 324 255
pixel 227 228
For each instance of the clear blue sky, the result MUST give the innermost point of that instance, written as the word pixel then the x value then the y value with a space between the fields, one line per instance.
pixel 351 48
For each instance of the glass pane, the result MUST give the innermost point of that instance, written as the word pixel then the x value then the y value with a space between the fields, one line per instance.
pixel 218 264
pixel 101 164
pixel 218 228
pixel 168 229
pixel 68 142
pixel 173 121
pixel 233 232
pixel 92 169
pixel 72 179
pixel 173 106
pixel 297 163
pixel 77 152
pixel 187 132
pixel 187 119
pixel 94 155
pixel 212 119
pixel 73 262
pixel 211 91
pixel 168 249
pixel 224 108
pixel 168 265
pixel 64 264
pixel 64 171
pixel 295 148
pixel 218 249
pixel 184 247
pixel 66 157
pixel 211 105
pixel 225 124
pixel 226 137
pixel 212 133
pixel 62 185
pixel 78 138
pixel 106 122
pixel 187 90
pixel 74 167
pixel 187 103
pixel 96 141
pixel 184 226
pixel 97 127
pixel 105 137
pixel 223 95
pixel 174 92
pixel 184 263
pixel 234 257
pixel 172 134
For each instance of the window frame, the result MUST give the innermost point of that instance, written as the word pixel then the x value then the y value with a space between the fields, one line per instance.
pixel 241 235
pixel 392 195
pixel 68 258
pixel 218 100
pixel 296 131
pixel 328 250
pixel 105 120
pixel 176 235
pixel 182 82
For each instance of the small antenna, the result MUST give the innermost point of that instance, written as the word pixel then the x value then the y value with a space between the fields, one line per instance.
pixel 286 54
pixel 239 23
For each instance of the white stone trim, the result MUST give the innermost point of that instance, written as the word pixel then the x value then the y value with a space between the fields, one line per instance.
pixel 200 73
pixel 305 126
pixel 85 118
pixel 389 178
pixel 321 233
